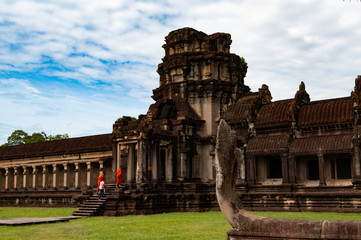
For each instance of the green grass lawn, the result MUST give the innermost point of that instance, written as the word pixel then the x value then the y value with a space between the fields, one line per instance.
pixel 204 225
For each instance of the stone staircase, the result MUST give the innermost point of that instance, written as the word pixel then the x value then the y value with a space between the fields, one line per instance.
pixel 92 206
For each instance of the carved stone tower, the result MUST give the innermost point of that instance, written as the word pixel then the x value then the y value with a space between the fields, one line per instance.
pixel 200 68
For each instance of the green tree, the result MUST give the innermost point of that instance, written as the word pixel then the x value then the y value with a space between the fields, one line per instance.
pixel 21 137
pixel 244 63
pixel 16 138
pixel 58 137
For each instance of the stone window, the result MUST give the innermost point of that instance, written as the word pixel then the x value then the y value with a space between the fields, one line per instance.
pixel 307 170
pixel 269 168
pixel 340 168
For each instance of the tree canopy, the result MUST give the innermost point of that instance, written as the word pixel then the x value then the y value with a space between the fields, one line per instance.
pixel 21 137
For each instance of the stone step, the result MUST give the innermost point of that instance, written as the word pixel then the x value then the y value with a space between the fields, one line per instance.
pixel 87 204
pixel 81 214
pixel 88 208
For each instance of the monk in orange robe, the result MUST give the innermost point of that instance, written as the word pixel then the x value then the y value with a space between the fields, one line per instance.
pixel 119 177
pixel 100 178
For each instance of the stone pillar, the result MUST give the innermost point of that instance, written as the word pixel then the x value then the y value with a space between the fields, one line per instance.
pixel 24 177
pixel 183 166
pixel 284 160
pixel 169 165
pixel 155 161
pixel 321 167
pixel 292 168
pixel 65 182
pixel 76 170
pixel 114 162
pixel 120 147
pixel 357 173
pixel 44 176
pixel 15 177
pixel 101 166
pixel 130 167
pixel 54 176
pixel 251 169
pixel 6 178
pixel 242 166
pixel 34 177
pixel 88 172
pixel 139 170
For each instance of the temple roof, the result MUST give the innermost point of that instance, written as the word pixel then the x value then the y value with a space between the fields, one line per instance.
pixel 324 112
pixel 268 144
pixel 243 110
pixel 96 143
pixel 167 111
pixel 278 114
pixel 274 114
pixel 325 144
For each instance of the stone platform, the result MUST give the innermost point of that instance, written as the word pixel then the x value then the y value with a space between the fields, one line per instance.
pixel 30 220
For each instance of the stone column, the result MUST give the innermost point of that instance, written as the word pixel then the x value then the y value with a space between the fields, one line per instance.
pixel 321 169
pixel 101 166
pixel 357 173
pixel 24 177
pixel 169 165
pixel 44 176
pixel 242 166
pixel 251 169
pixel 292 168
pixel 119 151
pixel 76 170
pixel 130 167
pixel 155 161
pixel 284 160
pixel 183 166
pixel 88 172
pixel 15 177
pixel 65 182
pixel 139 171
pixel 6 178
pixel 34 177
pixel 54 176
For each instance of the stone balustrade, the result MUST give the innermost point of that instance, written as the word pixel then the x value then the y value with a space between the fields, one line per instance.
pixel 60 175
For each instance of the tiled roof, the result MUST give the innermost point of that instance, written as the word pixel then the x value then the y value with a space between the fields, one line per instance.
pixel 243 110
pixel 325 144
pixel 331 111
pixel 66 146
pixel 268 145
pixel 274 114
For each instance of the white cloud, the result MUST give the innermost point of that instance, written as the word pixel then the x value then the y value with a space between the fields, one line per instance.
pixel 114 46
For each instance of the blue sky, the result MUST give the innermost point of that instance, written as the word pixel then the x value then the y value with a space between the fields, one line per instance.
pixel 76 66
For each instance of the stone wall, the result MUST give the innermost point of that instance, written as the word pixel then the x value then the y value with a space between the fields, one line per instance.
pixel 42 198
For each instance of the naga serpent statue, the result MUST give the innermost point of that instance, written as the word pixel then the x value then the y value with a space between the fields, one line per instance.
pixel 249 226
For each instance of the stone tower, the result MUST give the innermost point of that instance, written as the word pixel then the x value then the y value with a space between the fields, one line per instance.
pixel 200 68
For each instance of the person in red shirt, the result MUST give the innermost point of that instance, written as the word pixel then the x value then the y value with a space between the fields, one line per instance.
pixel 100 178
pixel 119 177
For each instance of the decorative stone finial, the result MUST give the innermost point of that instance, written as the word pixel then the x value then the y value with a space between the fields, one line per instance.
pixel 301 98
pixel 264 94
pixel 356 94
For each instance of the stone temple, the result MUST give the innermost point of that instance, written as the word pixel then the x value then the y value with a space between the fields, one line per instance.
pixel 297 154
